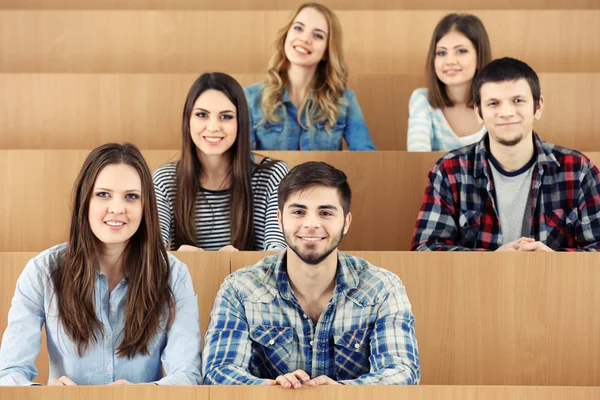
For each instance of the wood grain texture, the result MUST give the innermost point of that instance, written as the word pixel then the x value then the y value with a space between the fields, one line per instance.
pixel 188 41
pixel 88 110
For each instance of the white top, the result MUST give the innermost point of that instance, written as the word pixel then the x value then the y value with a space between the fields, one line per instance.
pixel 428 129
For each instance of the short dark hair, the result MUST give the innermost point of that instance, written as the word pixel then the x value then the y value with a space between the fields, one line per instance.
pixel 311 174
pixel 506 69
pixel 470 26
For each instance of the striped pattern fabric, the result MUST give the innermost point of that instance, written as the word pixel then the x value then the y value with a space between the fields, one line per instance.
pixel 213 211
pixel 428 129
pixel 459 210
pixel 258 330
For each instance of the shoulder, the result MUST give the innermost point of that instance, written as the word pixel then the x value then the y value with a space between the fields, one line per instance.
pixel 374 283
pixel 463 157
pixel 272 173
pixel 568 158
pixel 250 282
pixel 253 92
pixel 166 173
pixel 179 272
pixel 419 98
pixel 40 267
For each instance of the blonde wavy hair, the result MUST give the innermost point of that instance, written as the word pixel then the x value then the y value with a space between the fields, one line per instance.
pixel 329 82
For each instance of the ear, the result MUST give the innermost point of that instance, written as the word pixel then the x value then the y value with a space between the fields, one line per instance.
pixel 348 222
pixel 279 220
pixel 478 115
pixel 539 108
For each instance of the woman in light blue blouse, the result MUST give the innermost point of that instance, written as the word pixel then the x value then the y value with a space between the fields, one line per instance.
pixel 305 104
pixel 442 115
pixel 117 307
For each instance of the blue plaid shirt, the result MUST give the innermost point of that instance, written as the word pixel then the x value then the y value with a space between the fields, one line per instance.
pixel 258 329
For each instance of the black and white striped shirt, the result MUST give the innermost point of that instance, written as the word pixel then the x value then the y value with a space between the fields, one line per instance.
pixel 213 229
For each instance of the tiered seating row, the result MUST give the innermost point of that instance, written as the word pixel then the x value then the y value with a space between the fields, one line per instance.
pixel 188 41
pixel 82 111
pixel 387 189
pixel 520 319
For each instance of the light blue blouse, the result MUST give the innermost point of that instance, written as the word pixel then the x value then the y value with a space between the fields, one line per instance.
pixel 34 304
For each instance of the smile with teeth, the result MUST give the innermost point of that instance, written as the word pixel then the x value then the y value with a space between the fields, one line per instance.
pixel 114 223
pixel 213 139
pixel 301 49
pixel 312 239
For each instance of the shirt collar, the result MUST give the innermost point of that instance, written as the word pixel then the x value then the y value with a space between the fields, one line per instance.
pixel 277 277
pixel 542 150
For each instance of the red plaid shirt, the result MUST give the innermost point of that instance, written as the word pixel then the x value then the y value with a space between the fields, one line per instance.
pixel 459 210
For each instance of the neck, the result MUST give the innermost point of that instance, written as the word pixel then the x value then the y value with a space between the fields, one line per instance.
pixel 110 259
pixel 513 158
pixel 459 94
pixel 300 79
pixel 312 282
pixel 216 171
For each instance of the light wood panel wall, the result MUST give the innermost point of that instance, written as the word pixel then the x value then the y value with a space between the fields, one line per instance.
pixel 325 392
pixel 515 319
pixel 208 271
pixel 387 190
pixel 393 41
pixel 288 4
pixel 87 110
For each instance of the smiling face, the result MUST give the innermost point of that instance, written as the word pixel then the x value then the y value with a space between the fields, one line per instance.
pixel 313 223
pixel 115 209
pixel 455 59
pixel 507 110
pixel 306 40
pixel 213 123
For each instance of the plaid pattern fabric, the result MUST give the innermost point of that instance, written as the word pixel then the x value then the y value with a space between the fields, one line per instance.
pixel 258 330
pixel 459 210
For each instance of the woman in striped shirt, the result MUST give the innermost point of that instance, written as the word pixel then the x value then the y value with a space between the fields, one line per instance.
pixel 442 115
pixel 216 197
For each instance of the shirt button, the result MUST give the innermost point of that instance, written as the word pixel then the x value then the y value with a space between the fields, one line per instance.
pixel 108 337
pixel 356 345
pixel 109 368
pixel 271 342
pixel 304 316
pixel 312 342
pixel 113 309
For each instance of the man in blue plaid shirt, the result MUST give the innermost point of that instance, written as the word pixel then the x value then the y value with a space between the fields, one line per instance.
pixel 312 315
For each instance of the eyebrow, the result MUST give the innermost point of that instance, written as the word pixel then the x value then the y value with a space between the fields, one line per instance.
pixel 110 190
pixel 323 207
pixel 220 112
pixel 457 46
pixel 316 29
pixel 513 97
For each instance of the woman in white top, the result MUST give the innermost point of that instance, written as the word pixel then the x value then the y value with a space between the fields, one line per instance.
pixel 442 115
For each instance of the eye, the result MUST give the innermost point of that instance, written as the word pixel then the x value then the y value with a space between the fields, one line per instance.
pixel 227 117
pixel 298 212
pixel 298 28
pixel 132 196
pixel 492 104
pixel 519 101
pixel 462 51
pixel 441 53
pixel 327 213
pixel 201 114
pixel 103 195
pixel 318 36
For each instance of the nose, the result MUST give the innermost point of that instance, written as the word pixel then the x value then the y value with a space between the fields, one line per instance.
pixel 507 109
pixel 311 222
pixel 213 125
pixel 116 206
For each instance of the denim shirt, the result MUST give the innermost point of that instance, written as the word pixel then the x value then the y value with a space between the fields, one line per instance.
pixel 34 304
pixel 288 134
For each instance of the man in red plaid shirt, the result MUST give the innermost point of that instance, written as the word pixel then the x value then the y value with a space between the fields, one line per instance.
pixel 511 191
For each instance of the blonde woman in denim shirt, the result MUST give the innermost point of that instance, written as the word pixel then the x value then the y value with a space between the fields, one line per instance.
pixel 304 103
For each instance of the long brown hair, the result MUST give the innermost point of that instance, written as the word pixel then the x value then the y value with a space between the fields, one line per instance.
pixel 145 263
pixel 329 83
pixel 189 168
pixel 470 26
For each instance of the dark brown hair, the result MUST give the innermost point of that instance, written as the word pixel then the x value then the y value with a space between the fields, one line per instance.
pixel 189 168
pixel 311 174
pixel 470 26
pixel 507 69
pixel 145 263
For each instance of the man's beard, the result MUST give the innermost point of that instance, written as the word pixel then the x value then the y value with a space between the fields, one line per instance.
pixel 313 258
